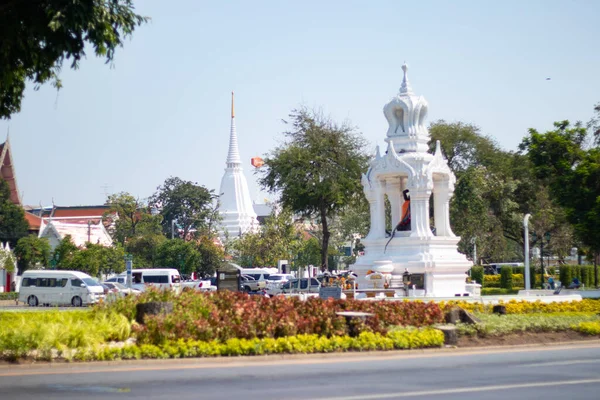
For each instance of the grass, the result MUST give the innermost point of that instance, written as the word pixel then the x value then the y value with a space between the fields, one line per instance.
pixel 498 325
pixel 44 331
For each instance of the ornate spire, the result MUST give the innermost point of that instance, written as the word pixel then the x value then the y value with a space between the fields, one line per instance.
pixel 405 87
pixel 233 157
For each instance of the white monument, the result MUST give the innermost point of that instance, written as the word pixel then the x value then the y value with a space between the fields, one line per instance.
pixel 235 207
pixel 406 164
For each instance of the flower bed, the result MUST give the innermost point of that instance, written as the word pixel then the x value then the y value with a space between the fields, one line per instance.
pixel 526 307
pixel 498 325
pixel 408 338
pixel 227 315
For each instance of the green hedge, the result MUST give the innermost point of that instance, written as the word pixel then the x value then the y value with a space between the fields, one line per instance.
pixel 506 279
pixel 9 296
pixel 477 274
pixel 585 274
pixel 497 291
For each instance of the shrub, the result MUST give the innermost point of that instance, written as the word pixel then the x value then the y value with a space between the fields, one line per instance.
pixel 9 296
pixel 477 274
pixel 506 281
pixel 42 331
pixel 590 328
pixel 228 315
pixel 497 291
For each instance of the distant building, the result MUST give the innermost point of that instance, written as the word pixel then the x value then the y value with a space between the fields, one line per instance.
pixel 235 207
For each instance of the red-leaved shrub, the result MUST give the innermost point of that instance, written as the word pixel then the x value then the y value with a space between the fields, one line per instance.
pixel 226 315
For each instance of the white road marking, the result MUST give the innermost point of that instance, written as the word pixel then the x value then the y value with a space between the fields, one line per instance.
pixel 565 362
pixel 462 390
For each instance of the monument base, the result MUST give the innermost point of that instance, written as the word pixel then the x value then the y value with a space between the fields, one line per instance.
pixel 444 268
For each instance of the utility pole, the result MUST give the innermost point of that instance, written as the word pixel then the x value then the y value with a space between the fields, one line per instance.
pixel 172 228
pixel 526 251
pixel 89 231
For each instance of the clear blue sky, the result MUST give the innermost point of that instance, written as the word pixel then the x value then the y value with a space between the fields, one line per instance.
pixel 163 109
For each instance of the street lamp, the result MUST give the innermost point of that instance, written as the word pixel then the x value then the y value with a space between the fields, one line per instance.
pixel 546 239
pixel 128 265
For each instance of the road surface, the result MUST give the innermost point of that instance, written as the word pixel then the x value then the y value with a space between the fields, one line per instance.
pixel 545 372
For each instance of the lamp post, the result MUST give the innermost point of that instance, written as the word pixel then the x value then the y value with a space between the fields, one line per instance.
pixel 545 238
pixel 128 266
pixel 526 251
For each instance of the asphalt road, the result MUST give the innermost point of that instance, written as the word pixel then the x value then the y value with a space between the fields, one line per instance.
pixel 565 373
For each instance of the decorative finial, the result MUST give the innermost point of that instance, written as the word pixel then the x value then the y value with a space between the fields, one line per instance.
pixel 405 87
pixel 232 109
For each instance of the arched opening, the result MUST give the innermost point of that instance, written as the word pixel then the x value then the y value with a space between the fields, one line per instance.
pixel 399 114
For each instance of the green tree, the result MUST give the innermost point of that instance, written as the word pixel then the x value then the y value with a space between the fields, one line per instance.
pixel 318 170
pixel 130 214
pixel 192 206
pixel 37 36
pixel 7 260
pixel 65 252
pixel 278 239
pixel 573 175
pixel 32 251
pixel 13 224
pixel 96 259
pixel 179 254
pixel 145 249
pixel 494 190
pixel 211 256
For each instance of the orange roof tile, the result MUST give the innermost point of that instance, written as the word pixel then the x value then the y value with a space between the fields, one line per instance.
pixel 34 221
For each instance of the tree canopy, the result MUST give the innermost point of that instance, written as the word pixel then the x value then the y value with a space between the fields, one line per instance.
pixel 13 224
pixel 317 171
pixel 572 172
pixel 32 251
pixel 36 37
pixel 191 206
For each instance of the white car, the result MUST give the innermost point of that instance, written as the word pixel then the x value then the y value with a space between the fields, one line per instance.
pixel 275 283
pixel 118 289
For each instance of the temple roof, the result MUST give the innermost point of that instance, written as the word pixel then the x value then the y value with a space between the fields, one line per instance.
pixel 7 171
pixel 33 220
pixel 80 232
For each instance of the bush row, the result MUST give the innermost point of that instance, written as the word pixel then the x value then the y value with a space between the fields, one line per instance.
pixel 590 328
pixel 492 291
pixel 498 325
pixel 585 274
pixel 22 332
pixel 227 315
pixel 408 338
pixel 526 307
pixel 566 273
pixel 9 296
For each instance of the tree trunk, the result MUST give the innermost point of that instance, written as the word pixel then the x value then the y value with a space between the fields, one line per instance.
pixel 325 242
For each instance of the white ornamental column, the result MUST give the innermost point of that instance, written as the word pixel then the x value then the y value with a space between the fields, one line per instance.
pixel 374 193
pixel 441 208
pixel 419 212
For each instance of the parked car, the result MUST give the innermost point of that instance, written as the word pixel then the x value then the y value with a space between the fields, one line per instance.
pixel 202 286
pixel 249 284
pixel 121 290
pixel 301 286
pixel 276 281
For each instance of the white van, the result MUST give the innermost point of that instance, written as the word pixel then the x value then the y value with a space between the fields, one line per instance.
pixel 164 278
pixel 257 273
pixel 57 287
